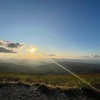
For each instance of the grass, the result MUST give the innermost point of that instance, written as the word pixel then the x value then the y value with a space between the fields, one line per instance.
pixel 62 81
pixel 53 85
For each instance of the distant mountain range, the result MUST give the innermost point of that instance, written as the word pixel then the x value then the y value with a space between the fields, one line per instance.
pixel 45 67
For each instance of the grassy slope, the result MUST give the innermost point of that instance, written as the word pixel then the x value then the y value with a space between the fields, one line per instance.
pixel 62 81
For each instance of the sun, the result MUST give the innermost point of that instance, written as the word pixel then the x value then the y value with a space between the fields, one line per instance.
pixel 32 49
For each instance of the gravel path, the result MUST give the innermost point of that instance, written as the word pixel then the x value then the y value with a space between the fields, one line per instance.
pixel 19 91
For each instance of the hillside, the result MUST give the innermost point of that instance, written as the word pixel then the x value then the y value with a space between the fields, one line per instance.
pixel 51 68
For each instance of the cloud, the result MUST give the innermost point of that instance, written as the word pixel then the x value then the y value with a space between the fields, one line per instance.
pixel 10 47
pixel 85 56
pixel 15 45
pixel 5 50
pixel 2 42
pixel 93 55
pixel 51 55
pixel 10 44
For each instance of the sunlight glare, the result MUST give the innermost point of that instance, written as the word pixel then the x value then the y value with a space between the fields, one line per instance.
pixel 32 49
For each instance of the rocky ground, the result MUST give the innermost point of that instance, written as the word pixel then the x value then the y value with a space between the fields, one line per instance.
pixel 20 91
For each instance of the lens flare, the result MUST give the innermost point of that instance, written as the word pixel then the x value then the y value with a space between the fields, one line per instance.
pixel 74 75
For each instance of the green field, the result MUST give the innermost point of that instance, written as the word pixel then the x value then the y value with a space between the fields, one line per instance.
pixel 62 81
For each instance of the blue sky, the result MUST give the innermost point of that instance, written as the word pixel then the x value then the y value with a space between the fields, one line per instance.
pixel 60 27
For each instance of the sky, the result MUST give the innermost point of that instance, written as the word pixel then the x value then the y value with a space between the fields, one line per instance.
pixel 50 28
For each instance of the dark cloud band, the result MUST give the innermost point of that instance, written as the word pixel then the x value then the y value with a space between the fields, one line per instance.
pixel 4 50
pixel 93 55
pixel 51 55
pixel 10 44
pixel 14 45
pixel 9 47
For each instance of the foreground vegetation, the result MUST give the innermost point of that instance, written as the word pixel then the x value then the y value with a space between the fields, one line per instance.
pixel 62 81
